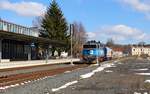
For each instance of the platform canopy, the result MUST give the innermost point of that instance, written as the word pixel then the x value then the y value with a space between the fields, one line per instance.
pixel 29 39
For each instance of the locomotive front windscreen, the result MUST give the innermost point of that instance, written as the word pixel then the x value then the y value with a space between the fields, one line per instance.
pixel 89 46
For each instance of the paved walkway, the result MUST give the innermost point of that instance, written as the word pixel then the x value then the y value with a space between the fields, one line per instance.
pixel 34 63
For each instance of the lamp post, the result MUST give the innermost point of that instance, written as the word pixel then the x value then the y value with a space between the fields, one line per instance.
pixel 97 54
pixel 46 56
pixel 47 53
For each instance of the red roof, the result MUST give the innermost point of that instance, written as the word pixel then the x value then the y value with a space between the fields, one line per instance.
pixel 118 49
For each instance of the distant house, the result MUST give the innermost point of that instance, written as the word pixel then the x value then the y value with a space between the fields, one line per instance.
pixel 118 52
pixel 140 50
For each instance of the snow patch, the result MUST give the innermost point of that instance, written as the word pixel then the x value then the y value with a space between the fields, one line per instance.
pixel 140 93
pixel 64 86
pixel 136 93
pixel 67 71
pixel 6 87
pixel 119 63
pixel 146 74
pixel 21 83
pixel 3 88
pixel 147 81
pixel 88 75
pixel 47 93
pixel 141 69
pixel 108 71
pixel 25 82
pixel 101 68
pixel 116 61
pixel 95 64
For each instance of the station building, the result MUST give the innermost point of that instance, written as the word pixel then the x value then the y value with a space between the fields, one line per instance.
pixel 20 43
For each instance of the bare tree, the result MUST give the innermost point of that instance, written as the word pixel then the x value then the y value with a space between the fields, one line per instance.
pixel 142 43
pixel 82 34
pixel 110 42
pixel 37 22
pixel 79 38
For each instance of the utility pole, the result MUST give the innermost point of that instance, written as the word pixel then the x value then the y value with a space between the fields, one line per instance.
pixel 47 53
pixel 97 54
pixel 71 33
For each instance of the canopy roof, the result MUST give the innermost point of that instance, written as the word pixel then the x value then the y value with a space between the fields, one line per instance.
pixel 29 39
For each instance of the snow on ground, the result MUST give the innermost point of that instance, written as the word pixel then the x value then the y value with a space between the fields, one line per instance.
pixel 116 61
pixel 108 71
pixel 67 71
pixel 101 68
pixel 23 83
pixel 145 69
pixel 140 93
pixel 147 81
pixel 146 74
pixel 87 75
pixel 64 86
pixel 6 87
pixel 136 93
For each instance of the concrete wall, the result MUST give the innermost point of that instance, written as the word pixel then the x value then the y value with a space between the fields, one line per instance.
pixel 35 63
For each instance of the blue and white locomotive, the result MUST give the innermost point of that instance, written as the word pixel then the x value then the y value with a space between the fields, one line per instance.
pixel 93 51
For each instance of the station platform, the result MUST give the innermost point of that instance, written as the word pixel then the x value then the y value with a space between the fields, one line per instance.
pixel 15 64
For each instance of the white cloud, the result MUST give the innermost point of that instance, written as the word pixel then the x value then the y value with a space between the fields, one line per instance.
pixel 120 33
pixel 23 8
pixel 124 31
pixel 142 6
pixel 91 35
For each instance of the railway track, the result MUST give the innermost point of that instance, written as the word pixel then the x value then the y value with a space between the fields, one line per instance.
pixel 14 79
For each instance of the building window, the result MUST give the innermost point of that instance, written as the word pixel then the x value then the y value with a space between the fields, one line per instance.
pixel 4 26
pixel 1 25
pixel 14 28
pixel 17 29
pixel 11 27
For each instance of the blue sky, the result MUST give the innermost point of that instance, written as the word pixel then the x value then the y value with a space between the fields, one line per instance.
pixel 126 21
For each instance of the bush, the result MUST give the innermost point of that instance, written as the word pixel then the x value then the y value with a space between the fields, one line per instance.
pixel 145 56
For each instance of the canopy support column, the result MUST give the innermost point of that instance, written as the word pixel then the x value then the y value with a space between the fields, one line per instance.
pixel 0 50
pixel 29 52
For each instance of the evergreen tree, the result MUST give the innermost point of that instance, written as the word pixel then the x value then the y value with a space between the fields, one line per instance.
pixel 55 25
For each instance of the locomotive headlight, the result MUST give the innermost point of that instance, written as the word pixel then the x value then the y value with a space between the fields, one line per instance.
pixel 91 52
